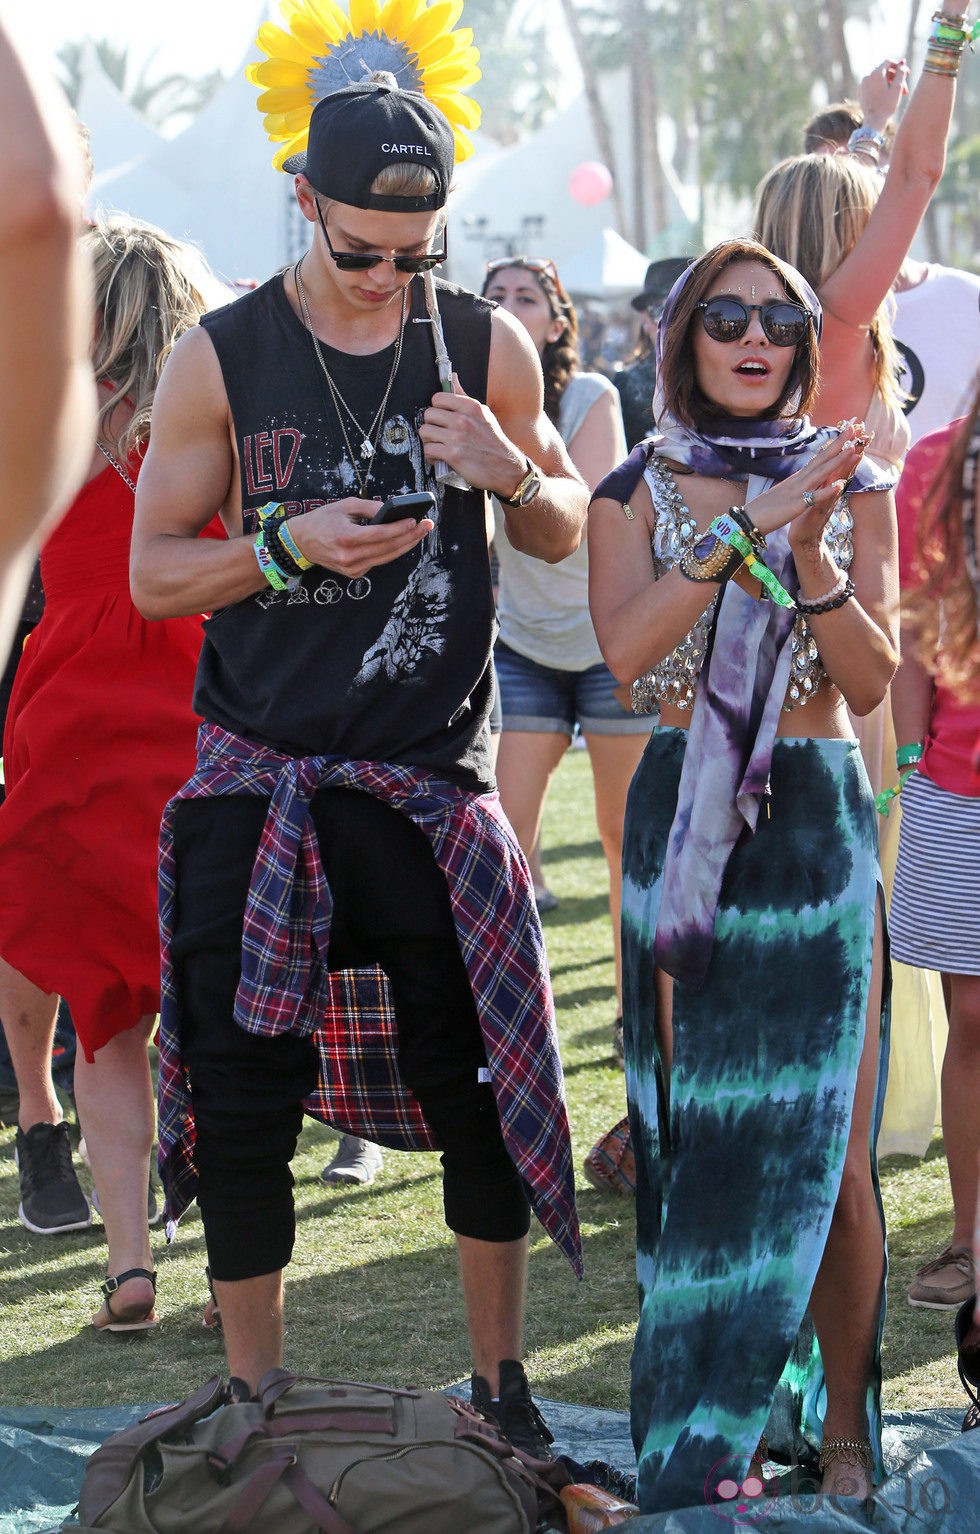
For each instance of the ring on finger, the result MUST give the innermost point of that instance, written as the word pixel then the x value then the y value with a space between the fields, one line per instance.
pixel 808 499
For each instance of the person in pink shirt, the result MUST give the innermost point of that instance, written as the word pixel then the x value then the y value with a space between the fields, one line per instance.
pixel 935 915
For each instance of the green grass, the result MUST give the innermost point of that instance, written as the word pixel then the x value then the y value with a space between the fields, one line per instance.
pixel 373 1292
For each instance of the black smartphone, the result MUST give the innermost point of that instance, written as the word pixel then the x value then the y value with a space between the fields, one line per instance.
pixel 422 504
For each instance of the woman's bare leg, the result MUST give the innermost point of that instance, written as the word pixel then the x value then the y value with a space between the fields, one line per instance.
pixel 847 1293
pixel 114 1093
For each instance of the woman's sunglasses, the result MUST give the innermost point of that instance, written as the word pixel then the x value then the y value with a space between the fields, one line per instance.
pixel 362 261
pixel 727 319
pixel 527 263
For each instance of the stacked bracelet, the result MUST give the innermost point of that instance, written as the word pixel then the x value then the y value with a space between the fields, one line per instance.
pixel 907 758
pixel 272 571
pixel 740 515
pixel 944 49
pixel 710 559
pixel 729 532
pixel 287 551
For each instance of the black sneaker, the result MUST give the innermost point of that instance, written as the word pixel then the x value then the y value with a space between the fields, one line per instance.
pixel 514 1413
pixel 51 1199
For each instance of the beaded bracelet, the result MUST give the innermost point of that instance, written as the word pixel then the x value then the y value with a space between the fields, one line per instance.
pixel 805 603
pixel 829 604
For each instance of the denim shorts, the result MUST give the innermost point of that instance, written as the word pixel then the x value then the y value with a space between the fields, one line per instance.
pixel 545 700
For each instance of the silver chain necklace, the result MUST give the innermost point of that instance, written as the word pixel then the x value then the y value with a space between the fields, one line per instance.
pixel 123 475
pixel 371 437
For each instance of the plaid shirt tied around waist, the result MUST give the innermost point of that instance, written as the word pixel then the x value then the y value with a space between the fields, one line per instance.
pixel 286 987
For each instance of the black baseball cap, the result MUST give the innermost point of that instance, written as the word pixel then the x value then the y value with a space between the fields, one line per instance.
pixel 358 131
pixel 660 278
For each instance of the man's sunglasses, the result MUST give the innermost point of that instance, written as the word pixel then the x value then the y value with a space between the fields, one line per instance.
pixel 727 319
pixel 361 261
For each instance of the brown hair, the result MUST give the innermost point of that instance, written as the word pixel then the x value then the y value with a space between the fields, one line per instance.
pixel 146 296
pixel 835 124
pixel 812 210
pixel 945 607
pixel 561 358
pixel 677 373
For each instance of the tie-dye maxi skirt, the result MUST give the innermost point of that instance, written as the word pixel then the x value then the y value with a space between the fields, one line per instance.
pixel 739 1166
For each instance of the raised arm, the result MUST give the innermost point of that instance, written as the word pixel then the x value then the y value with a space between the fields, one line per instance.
pixel 490 445
pixel 860 284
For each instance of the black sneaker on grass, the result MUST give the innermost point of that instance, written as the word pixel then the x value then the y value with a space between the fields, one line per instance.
pixel 51 1199
pixel 514 1413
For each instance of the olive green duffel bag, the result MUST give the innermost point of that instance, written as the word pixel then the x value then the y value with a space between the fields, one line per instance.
pixel 313 1456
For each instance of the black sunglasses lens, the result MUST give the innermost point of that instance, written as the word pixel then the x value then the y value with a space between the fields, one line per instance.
pixel 725 319
pixel 784 324
pixel 348 261
pixel 416 263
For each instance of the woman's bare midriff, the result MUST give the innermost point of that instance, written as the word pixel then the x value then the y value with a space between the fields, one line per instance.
pixel 825 717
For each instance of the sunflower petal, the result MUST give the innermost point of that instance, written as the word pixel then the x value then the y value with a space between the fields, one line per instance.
pixel 363 16
pixel 278 74
pixel 280 45
pixel 397 16
pixel 454 76
pixel 460 110
pixel 438 18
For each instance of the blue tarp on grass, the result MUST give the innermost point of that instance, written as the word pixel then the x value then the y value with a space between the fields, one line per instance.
pixel 933 1486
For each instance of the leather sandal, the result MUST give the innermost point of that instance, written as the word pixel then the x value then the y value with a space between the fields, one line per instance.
pixel 968 1362
pixel 114 1323
pixel 211 1318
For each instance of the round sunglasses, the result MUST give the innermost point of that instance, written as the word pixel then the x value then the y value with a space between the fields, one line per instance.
pixel 727 319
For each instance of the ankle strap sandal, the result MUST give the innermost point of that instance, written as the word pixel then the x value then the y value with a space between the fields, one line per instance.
pixel 138 1323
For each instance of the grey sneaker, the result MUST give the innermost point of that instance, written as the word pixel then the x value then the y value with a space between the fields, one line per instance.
pixel 514 1411
pixel 51 1198
pixel 356 1161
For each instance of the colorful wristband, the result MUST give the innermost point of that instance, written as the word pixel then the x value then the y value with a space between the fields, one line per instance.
pixel 907 759
pixel 907 756
pixel 276 577
pixel 724 528
pixel 289 544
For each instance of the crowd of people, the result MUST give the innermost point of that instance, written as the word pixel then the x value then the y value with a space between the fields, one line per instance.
pixel 273 680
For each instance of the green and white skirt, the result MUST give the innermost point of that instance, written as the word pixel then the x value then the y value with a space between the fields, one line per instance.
pixel 739 1164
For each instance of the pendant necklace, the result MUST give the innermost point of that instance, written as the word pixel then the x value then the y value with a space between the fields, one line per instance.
pixel 371 437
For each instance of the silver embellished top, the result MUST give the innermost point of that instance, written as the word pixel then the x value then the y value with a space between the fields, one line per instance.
pixel 674 679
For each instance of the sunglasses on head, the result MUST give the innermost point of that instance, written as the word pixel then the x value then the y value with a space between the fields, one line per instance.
pixel 528 263
pixel 362 261
pixel 727 319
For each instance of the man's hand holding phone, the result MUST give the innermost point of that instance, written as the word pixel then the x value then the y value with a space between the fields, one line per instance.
pixel 352 536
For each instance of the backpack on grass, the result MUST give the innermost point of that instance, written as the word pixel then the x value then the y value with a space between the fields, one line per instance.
pixel 313 1456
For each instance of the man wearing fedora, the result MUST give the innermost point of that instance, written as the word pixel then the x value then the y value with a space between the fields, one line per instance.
pixel 343 815
pixel 635 382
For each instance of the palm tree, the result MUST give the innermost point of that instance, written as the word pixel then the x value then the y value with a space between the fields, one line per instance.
pixel 159 100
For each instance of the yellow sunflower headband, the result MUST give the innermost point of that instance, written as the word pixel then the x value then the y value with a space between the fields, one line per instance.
pixel 324 50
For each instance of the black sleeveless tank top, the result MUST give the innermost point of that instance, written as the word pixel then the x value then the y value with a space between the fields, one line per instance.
pixel 394 666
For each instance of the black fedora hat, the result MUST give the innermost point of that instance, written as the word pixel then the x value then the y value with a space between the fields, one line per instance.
pixel 660 278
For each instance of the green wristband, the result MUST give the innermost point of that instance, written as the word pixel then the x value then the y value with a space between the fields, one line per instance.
pixel 725 528
pixel 907 756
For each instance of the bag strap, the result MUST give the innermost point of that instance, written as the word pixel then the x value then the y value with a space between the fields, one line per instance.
pixel 261 1483
pixel 112 1465
pixel 221 1461
pixel 275 1382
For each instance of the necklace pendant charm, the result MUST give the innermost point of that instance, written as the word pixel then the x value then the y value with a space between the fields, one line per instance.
pixel 366 449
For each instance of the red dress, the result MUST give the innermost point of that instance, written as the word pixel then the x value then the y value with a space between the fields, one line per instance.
pixel 100 734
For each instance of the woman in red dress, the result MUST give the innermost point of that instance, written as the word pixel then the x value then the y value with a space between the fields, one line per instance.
pixel 99 735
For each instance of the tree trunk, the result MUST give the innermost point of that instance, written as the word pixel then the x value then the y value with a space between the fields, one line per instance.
pixel 915 11
pixel 845 83
pixel 597 112
pixel 649 181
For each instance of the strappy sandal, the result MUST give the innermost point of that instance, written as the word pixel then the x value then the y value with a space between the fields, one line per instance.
pixel 211 1318
pixel 115 1323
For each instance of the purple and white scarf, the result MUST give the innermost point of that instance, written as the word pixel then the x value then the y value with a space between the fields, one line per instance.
pixel 746 669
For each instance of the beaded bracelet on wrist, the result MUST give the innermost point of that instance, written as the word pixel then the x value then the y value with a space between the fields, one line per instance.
pixel 740 515
pixel 830 603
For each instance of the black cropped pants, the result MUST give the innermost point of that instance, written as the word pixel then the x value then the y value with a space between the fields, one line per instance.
pixel 390 907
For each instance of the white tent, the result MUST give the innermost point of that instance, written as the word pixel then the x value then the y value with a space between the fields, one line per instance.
pixel 608 267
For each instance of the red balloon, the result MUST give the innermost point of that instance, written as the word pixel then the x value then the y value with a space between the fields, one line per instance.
pixel 590 183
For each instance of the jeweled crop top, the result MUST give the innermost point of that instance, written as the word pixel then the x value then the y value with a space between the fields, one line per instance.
pixel 674 679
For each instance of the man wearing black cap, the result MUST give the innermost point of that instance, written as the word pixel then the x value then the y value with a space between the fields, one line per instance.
pixel 636 382
pixel 345 685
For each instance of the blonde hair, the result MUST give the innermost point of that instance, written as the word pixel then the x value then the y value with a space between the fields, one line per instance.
pixel 811 211
pixel 146 296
